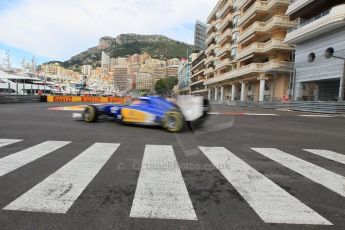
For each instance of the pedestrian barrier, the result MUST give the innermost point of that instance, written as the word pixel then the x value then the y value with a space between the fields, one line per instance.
pixel 305 106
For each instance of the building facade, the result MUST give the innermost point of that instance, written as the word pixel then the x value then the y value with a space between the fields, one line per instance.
pixel 145 81
pixel 122 80
pixel 197 76
pixel 319 39
pixel 184 77
pixel 86 70
pixel 200 35
pixel 246 57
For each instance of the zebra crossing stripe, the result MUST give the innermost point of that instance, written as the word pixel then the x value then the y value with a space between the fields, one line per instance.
pixel 326 178
pixel 19 159
pixel 340 158
pixel 4 142
pixel 272 203
pixel 57 193
pixel 161 192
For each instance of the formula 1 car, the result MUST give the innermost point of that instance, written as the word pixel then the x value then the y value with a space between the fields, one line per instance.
pixel 152 110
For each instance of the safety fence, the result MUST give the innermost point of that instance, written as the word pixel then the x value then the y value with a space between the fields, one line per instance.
pixel 305 106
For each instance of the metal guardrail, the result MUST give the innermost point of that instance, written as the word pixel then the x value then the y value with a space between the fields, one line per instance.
pixel 305 106
pixel 21 99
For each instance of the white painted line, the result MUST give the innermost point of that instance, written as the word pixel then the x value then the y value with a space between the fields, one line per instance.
pixel 322 176
pixel 340 158
pixel 161 192
pixel 318 115
pixel 285 110
pixel 19 159
pixel 272 203
pixel 57 193
pixel 260 114
pixel 4 142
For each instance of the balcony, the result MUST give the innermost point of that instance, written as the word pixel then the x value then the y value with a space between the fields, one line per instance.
pixel 263 48
pixel 239 4
pixel 197 82
pixel 210 49
pixel 224 50
pixel 225 8
pixel 197 64
pixel 321 24
pixel 253 68
pixel 210 28
pixel 261 6
pixel 208 71
pixel 225 35
pixel 197 73
pixel 209 59
pixel 297 5
pixel 210 38
pixel 198 91
pixel 277 21
pixel 225 22
pixel 223 64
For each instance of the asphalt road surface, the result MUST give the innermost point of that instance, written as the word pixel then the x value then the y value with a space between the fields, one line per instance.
pixel 244 169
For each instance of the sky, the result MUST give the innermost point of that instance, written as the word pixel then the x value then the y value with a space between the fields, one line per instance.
pixel 60 29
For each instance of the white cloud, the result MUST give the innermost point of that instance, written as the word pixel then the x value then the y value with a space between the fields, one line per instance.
pixel 62 28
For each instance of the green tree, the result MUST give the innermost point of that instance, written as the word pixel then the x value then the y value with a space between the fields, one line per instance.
pixel 164 85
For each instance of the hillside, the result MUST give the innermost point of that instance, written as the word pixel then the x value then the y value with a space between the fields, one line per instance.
pixel 128 44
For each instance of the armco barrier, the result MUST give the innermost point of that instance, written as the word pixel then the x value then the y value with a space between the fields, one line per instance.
pixel 86 99
pixel 19 99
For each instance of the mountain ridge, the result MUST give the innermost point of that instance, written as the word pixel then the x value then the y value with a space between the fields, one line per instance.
pixel 157 46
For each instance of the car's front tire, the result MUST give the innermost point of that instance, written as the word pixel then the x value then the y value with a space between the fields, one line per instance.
pixel 173 121
pixel 90 114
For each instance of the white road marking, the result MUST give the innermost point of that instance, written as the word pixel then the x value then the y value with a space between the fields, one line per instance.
pixel 57 193
pixel 161 192
pixel 19 159
pixel 328 154
pixel 260 114
pixel 272 203
pixel 318 115
pixel 4 142
pixel 326 178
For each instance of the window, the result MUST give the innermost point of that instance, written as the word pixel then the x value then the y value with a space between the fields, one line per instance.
pixel 329 52
pixel 311 57
pixel 233 51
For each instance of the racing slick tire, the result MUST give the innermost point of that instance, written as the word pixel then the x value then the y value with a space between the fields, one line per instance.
pixel 173 121
pixel 90 114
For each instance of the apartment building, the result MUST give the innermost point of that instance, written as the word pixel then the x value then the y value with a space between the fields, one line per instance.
pixel 183 77
pixel 105 62
pixel 197 76
pixel 319 38
pixel 86 70
pixel 121 78
pixel 145 81
pixel 200 35
pixel 246 57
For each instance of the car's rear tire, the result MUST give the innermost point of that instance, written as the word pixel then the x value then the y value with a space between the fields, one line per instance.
pixel 90 114
pixel 173 121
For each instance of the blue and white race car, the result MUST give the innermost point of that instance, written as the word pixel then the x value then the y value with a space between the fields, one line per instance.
pixel 152 111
